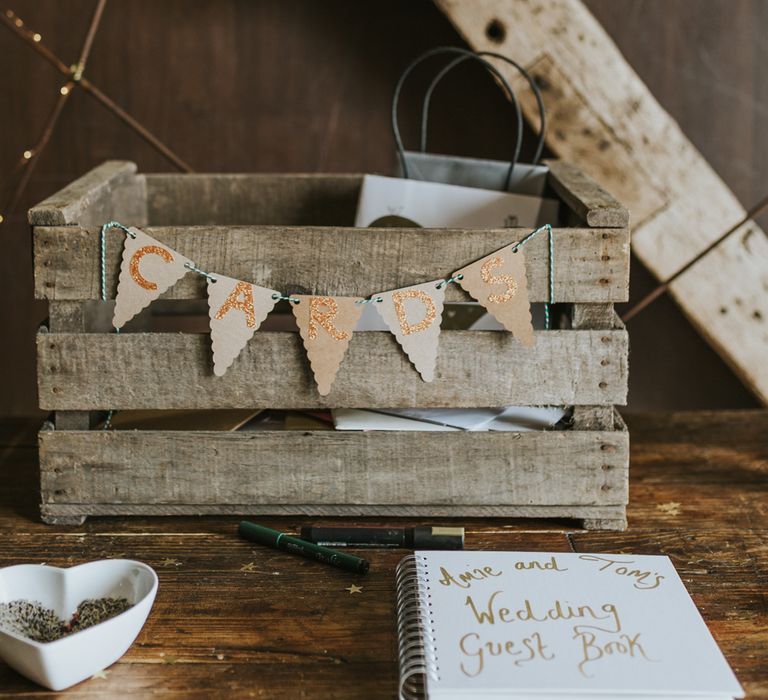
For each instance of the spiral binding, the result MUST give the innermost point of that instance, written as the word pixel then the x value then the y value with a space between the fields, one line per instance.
pixel 415 628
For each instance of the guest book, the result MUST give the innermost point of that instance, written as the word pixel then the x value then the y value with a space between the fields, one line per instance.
pixel 540 626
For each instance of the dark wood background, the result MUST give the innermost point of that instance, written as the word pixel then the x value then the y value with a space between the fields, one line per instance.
pixel 245 85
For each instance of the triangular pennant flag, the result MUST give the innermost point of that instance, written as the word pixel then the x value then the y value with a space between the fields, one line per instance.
pixel 147 270
pixel 498 282
pixel 414 315
pixel 236 310
pixel 326 325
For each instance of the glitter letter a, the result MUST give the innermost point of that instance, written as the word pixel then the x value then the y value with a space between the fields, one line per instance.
pixel 413 314
pixel 236 310
pixel 326 325
pixel 147 270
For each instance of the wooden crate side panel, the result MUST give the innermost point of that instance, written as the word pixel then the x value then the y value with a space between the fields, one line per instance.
pixel 252 199
pixel 590 265
pixel 113 190
pixel 328 468
pixel 584 197
pixel 93 371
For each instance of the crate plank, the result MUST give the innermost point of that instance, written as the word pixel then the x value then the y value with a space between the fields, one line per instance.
pixel 254 199
pixel 475 368
pixel 331 468
pixel 590 266
pixel 321 199
pixel 593 517
pixel 112 190
pixel 584 197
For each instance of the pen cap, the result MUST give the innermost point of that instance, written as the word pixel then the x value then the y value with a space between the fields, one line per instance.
pixel 428 537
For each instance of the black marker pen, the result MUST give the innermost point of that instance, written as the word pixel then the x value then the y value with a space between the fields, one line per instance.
pixel 422 537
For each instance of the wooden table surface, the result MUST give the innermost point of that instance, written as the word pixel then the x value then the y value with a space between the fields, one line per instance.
pixel 234 620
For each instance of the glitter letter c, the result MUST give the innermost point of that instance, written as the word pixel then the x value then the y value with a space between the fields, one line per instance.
pixel 136 259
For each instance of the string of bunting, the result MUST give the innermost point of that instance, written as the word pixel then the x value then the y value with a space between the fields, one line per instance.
pixel 326 323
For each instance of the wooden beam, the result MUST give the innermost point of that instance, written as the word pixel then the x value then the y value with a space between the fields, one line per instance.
pixel 605 120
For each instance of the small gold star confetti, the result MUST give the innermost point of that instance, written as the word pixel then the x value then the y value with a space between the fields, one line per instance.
pixel 100 674
pixel 250 567
pixel 672 508
pixel 354 589
pixel 170 562
pixel 170 660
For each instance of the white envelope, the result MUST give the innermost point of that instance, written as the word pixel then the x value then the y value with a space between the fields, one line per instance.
pixel 438 205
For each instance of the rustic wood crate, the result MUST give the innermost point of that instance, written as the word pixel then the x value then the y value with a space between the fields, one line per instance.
pixel 284 231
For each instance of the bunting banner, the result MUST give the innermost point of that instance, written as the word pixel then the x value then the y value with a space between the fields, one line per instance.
pixel 236 310
pixel 413 314
pixel 498 282
pixel 147 270
pixel 326 325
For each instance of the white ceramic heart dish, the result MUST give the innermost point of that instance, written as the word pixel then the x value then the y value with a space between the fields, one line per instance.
pixel 71 659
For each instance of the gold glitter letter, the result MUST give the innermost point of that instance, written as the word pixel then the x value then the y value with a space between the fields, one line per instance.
pixel 398 299
pixel 488 277
pixel 246 305
pixel 323 318
pixel 136 259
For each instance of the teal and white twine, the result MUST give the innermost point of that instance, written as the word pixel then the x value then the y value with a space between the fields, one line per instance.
pixel 520 244
pixel 547 313
pixel 103 240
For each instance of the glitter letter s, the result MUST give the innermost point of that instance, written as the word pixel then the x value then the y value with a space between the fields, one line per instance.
pixel 489 278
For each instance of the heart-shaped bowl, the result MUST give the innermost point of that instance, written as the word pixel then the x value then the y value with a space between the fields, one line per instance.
pixel 71 659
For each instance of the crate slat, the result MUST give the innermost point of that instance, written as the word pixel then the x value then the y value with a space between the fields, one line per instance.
pixel 592 517
pixel 92 371
pixel 330 468
pixel 112 190
pixel 584 197
pixel 590 266
pixel 252 198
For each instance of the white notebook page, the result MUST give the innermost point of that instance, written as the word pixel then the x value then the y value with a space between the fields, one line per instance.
pixel 546 624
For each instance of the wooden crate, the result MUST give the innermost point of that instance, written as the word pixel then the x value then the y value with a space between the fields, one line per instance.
pixel 282 231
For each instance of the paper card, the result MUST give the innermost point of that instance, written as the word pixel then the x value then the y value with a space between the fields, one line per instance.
pixel 148 269
pixel 236 309
pixel 326 325
pixel 437 205
pixel 413 314
pixel 498 282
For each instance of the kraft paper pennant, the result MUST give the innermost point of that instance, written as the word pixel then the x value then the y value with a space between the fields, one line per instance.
pixel 414 314
pixel 236 310
pixel 147 270
pixel 326 325
pixel 498 282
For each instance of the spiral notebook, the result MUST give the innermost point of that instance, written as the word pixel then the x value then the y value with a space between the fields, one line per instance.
pixel 541 626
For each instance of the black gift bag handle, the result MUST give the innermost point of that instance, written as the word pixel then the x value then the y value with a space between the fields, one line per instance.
pixel 465 55
pixel 490 54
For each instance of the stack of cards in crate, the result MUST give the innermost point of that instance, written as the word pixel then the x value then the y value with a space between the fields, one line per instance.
pixel 547 626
